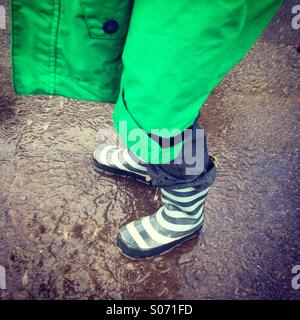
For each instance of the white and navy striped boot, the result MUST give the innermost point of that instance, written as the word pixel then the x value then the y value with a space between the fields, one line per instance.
pixel 120 161
pixel 179 219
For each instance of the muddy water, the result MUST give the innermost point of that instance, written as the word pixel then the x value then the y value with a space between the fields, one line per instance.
pixel 59 216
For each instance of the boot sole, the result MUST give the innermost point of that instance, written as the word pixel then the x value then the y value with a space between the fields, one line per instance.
pixel 121 172
pixel 136 254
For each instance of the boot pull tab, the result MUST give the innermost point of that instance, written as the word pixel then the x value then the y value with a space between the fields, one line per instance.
pixel 156 194
pixel 215 160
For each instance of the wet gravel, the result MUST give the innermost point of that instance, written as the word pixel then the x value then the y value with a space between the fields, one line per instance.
pixel 59 216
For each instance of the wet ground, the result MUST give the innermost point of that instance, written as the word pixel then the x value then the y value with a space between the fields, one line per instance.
pixel 59 217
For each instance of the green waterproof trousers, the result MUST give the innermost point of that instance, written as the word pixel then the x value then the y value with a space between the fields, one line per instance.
pixel 158 60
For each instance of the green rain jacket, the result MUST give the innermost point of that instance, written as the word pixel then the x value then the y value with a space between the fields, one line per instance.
pixel 175 53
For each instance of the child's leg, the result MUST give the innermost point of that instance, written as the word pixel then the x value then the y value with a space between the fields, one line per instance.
pixel 176 52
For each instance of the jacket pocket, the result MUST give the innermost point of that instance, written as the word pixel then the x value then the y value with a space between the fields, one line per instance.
pixel 108 19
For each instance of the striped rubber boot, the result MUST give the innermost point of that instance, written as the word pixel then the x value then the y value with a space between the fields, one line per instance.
pixel 179 219
pixel 120 161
